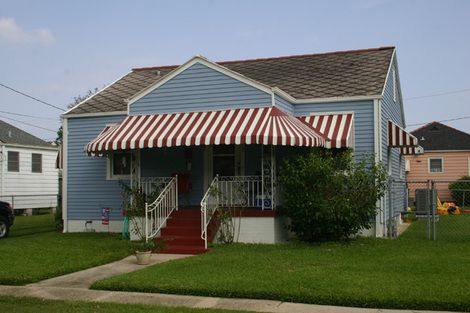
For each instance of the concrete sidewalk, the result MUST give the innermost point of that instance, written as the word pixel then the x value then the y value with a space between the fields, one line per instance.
pixel 75 287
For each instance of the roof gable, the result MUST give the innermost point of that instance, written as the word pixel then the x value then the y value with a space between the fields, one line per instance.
pixel 10 134
pixel 344 74
pixel 437 136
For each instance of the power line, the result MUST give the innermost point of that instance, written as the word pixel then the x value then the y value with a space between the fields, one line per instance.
pixel 439 94
pixel 32 116
pixel 32 125
pixel 448 120
pixel 31 97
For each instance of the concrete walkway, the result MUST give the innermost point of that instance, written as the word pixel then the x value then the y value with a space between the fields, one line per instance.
pixel 85 278
pixel 75 287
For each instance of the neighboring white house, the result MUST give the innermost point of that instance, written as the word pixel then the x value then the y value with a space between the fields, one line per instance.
pixel 28 173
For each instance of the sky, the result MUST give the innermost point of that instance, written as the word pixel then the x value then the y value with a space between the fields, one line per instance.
pixel 56 50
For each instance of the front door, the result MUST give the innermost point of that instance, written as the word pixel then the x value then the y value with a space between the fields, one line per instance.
pixel 223 160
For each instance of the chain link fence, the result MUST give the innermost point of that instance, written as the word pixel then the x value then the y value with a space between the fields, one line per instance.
pixel 432 209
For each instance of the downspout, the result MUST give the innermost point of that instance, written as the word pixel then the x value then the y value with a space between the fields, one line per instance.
pixel 378 158
pixel 64 172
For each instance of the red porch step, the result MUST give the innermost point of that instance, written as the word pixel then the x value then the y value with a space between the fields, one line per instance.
pixel 182 234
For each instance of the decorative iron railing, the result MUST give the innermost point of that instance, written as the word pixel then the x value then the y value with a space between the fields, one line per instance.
pixel 150 184
pixel 230 192
pixel 157 213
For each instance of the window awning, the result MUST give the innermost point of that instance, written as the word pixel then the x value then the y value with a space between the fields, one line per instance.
pixel 398 137
pixel 267 126
pixel 336 127
pixel 412 150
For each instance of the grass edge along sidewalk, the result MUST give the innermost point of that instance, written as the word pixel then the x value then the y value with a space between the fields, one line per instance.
pixel 33 305
pixel 36 251
pixel 406 273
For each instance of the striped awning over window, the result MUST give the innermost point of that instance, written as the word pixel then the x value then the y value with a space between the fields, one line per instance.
pixel 398 137
pixel 338 127
pixel 267 126
pixel 412 150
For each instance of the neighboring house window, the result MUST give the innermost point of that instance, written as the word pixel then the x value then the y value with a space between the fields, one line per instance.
pixel 119 165
pixel 394 85
pixel 13 161
pixel 436 165
pixel 36 163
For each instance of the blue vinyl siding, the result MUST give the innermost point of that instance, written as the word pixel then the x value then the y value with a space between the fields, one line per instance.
pixel 200 88
pixel 391 109
pixel 363 121
pixel 87 188
pixel 284 105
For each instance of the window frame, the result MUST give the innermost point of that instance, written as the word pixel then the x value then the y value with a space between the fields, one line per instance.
pixel 110 167
pixel 8 162
pixel 429 165
pixel 32 163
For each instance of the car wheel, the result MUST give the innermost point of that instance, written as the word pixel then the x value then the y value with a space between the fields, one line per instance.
pixel 4 228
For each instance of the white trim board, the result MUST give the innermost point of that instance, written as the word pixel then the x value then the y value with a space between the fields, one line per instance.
pixel 52 148
pixel 96 114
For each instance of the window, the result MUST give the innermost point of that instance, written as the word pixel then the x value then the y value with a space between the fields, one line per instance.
pixel 394 85
pixel 13 161
pixel 436 165
pixel 119 165
pixel 36 163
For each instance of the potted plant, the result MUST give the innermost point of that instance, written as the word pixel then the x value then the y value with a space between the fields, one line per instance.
pixel 133 203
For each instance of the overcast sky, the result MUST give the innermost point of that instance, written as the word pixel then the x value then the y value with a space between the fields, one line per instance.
pixel 55 50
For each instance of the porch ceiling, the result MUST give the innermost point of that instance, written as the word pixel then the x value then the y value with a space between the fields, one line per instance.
pixel 266 126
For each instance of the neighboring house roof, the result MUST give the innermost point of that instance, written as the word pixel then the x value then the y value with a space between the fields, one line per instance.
pixel 437 136
pixel 325 75
pixel 10 134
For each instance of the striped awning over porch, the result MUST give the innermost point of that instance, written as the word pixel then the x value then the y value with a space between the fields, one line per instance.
pixel 398 137
pixel 336 127
pixel 267 126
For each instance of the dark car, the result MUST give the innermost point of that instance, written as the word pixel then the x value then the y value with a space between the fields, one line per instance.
pixel 6 219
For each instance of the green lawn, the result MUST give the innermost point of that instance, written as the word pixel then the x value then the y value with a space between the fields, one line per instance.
pixel 406 273
pixel 33 305
pixel 36 251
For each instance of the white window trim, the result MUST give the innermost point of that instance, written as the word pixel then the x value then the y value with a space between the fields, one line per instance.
pixel 109 169
pixel 429 164
pixel 394 82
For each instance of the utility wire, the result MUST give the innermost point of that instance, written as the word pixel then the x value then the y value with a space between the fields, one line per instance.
pixel 32 125
pixel 439 94
pixel 31 97
pixel 448 120
pixel 32 116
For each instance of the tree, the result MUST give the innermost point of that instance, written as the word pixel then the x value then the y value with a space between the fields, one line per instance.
pixel 330 197
pixel 76 101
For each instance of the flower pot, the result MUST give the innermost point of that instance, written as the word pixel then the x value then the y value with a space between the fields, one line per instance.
pixel 143 257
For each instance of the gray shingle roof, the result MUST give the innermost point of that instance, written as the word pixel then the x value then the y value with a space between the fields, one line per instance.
pixel 334 74
pixel 437 136
pixel 13 135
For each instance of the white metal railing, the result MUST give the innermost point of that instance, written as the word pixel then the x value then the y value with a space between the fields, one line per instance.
pixel 150 184
pixel 209 204
pixel 229 192
pixel 240 191
pixel 157 213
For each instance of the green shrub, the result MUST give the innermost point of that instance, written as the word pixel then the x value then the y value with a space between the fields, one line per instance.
pixel 459 188
pixel 330 197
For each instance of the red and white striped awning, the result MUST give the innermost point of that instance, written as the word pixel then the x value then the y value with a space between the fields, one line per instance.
pixel 267 126
pixel 336 127
pixel 412 150
pixel 398 137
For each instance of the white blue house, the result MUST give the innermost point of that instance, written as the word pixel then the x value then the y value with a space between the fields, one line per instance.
pixel 234 119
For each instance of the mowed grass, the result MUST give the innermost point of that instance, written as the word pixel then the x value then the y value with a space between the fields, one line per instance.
pixel 36 251
pixel 407 273
pixel 33 305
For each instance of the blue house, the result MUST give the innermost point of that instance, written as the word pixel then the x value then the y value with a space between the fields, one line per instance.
pixel 190 128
